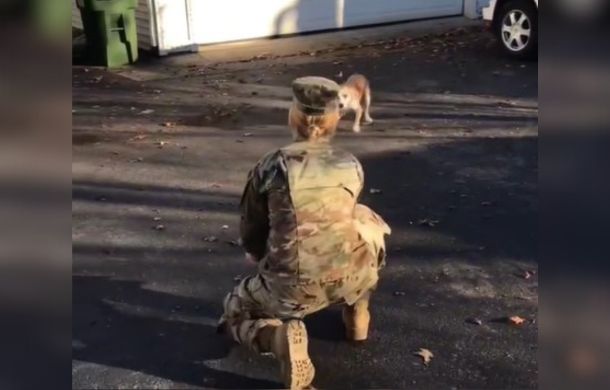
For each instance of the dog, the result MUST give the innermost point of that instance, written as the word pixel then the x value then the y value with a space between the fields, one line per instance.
pixel 355 95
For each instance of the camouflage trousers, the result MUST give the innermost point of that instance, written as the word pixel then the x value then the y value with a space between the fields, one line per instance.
pixel 267 299
pixel 256 303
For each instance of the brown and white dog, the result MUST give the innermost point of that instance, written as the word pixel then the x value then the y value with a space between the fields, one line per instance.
pixel 355 95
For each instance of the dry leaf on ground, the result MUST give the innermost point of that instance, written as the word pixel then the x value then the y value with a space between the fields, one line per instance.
pixel 425 354
pixel 516 320
pixel 428 222
pixel 474 321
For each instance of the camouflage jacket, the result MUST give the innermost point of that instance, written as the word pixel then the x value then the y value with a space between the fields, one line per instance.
pixel 300 218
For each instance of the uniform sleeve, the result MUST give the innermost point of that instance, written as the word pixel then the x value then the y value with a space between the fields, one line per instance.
pixel 254 224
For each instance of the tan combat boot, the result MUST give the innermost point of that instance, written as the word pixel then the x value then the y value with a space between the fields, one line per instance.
pixel 356 319
pixel 288 342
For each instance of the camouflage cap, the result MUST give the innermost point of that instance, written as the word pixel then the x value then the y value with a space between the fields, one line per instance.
pixel 316 95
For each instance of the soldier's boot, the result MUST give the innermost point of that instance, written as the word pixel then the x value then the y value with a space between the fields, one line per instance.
pixel 357 319
pixel 288 342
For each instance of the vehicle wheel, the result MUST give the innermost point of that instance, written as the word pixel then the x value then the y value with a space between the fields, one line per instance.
pixel 517 28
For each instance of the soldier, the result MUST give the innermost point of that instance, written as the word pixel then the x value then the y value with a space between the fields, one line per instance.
pixel 315 246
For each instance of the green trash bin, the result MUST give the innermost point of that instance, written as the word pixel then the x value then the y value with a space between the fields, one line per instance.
pixel 110 29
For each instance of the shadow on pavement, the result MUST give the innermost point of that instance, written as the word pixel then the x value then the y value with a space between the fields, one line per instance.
pixel 480 192
pixel 144 336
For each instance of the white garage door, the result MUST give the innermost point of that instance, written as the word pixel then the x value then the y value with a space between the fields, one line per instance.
pixel 214 21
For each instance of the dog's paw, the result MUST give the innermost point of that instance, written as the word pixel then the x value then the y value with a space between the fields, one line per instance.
pixel 356 129
pixel 368 121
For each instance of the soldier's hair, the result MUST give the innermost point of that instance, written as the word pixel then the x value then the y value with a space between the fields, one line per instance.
pixel 312 127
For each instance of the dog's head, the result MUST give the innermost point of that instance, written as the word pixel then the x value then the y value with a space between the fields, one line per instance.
pixel 344 98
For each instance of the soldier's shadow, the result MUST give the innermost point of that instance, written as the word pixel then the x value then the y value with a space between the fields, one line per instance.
pixel 120 324
pixel 326 324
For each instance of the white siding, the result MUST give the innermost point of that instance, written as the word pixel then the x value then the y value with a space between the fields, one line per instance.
pixel 76 20
pixel 143 22
pixel 144 25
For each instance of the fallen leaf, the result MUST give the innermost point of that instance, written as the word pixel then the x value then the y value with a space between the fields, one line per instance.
pixel 337 62
pixel 339 75
pixel 399 293
pixel 159 227
pixel 474 321
pixel 516 320
pixel 156 219
pixel 147 111
pixel 210 239
pixel 233 243
pixel 224 227
pixel 375 191
pixel 169 124
pixel 247 134
pixel 428 222
pixel 425 354
pixel 527 274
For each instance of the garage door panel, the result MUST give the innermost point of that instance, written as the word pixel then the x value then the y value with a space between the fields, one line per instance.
pixel 231 20
pixel 359 12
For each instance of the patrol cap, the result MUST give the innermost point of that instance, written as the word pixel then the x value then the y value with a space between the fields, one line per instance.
pixel 316 95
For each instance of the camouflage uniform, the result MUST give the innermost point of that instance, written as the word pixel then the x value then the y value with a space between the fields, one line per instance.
pixel 316 245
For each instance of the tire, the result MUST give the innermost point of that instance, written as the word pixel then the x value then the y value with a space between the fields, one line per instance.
pixel 516 28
